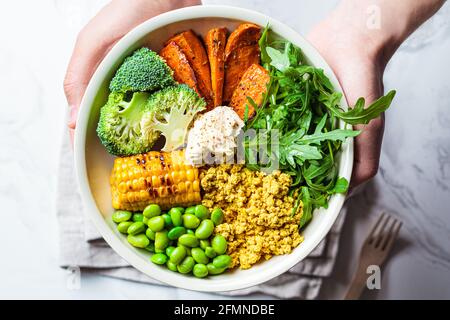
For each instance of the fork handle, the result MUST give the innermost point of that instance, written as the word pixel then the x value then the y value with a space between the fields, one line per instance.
pixel 357 285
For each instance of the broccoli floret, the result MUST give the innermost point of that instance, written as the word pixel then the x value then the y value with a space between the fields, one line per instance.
pixel 144 70
pixel 119 127
pixel 171 112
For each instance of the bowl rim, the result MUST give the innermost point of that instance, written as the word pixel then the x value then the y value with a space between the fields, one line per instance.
pixel 89 203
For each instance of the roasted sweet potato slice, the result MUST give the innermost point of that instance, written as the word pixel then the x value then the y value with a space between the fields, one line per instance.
pixel 177 61
pixel 215 41
pixel 253 84
pixel 195 53
pixel 241 52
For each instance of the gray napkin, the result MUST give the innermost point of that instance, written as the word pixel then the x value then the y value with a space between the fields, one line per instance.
pixel 82 246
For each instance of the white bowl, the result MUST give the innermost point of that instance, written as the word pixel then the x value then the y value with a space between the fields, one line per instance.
pixel 93 163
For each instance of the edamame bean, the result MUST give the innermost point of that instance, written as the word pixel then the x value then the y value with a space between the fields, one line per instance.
pixel 145 220
pixel 188 240
pixel 150 247
pixel 150 234
pixel 176 232
pixel 136 227
pixel 181 209
pixel 186 265
pixel 205 229
pixel 204 243
pixel 189 231
pixel 210 253
pixel 167 220
pixel 169 250
pixel 171 266
pixel 212 269
pixel 199 255
pixel 177 255
pixel 190 221
pixel 222 261
pixel 201 212
pixel 176 216
pixel 161 240
pixel 188 250
pixel 217 216
pixel 159 258
pixel 219 244
pixel 121 216
pixel 190 210
pixel 200 270
pixel 152 210
pixel 123 226
pixel 156 223
pixel 138 217
pixel 138 241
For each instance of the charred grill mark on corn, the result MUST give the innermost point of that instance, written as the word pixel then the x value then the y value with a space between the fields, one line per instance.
pixel 154 177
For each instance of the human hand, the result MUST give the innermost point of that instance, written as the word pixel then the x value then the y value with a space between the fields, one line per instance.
pixel 357 40
pixel 98 37
pixel 360 74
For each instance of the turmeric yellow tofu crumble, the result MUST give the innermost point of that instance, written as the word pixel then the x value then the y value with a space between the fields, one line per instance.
pixel 259 220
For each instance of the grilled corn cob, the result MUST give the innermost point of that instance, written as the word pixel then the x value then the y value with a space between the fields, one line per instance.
pixel 154 177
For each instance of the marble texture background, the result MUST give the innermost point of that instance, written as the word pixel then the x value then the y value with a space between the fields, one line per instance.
pixel 413 182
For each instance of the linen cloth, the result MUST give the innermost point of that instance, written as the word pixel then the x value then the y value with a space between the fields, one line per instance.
pixel 82 246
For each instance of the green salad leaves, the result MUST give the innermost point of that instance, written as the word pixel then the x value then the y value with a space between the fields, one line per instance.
pixel 303 106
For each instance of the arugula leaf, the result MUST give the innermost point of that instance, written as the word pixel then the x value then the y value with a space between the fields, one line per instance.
pixel 361 115
pixel 341 186
pixel 278 59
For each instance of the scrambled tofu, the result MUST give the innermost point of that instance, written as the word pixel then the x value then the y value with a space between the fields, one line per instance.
pixel 258 212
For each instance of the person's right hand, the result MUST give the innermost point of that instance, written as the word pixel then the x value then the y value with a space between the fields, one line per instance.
pixel 98 37
pixel 360 74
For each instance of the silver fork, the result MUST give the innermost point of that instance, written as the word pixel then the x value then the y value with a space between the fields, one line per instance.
pixel 374 251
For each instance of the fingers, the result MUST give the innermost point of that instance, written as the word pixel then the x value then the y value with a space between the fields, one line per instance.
pixel 367 151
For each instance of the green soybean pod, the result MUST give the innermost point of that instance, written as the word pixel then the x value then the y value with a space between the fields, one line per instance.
pixel 181 209
pixel 188 240
pixel 212 269
pixel 152 210
pixel 121 216
pixel 190 210
pixel 145 220
pixel 201 212
pixel 150 247
pixel 138 217
pixel 199 255
pixel 169 250
pixel 123 226
pixel 222 261
pixel 176 216
pixel 189 231
pixel 136 228
pixel 156 223
pixel 210 253
pixel 205 229
pixel 177 255
pixel 167 220
pixel 219 244
pixel 171 266
pixel 150 234
pixel 204 243
pixel 161 240
pixel 186 265
pixel 190 221
pixel 200 270
pixel 217 216
pixel 159 258
pixel 138 241
pixel 176 232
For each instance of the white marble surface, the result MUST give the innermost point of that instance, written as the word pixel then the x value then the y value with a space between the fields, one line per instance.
pixel 413 183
